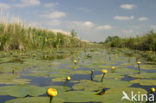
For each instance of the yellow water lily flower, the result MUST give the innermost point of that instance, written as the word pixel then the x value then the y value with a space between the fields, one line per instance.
pixel 138 62
pixel 52 92
pixel 68 78
pixel 104 71
pixel 153 90
pixel 74 67
pixel 75 61
pixel 113 67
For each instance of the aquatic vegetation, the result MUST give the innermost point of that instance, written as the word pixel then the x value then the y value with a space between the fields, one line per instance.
pixel 144 75
pixel 61 79
pixel 17 36
pixel 145 82
pixel 148 67
pixel 104 73
pixel 85 80
pixel 68 78
pixel 16 60
pixel 52 93
pixel 139 66
pixel 67 72
pixel 35 100
pixel 22 90
pixel 74 67
pixel 75 61
pixel 138 62
pixel 92 75
pixel 12 79
pixel 88 85
pixel 110 76
pixel 113 69
pixel 153 90
pixel 111 95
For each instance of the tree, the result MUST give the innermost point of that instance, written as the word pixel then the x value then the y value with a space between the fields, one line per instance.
pixel 73 33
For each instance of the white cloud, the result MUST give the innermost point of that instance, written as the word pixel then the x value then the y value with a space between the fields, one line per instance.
pixel 127 6
pixel 54 15
pixel 49 5
pixel 4 6
pixel 153 26
pixel 104 27
pixel 124 18
pixel 88 24
pixel 82 24
pixel 25 3
pixel 143 19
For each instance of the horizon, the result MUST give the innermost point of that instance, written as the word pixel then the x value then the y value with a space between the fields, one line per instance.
pixel 92 20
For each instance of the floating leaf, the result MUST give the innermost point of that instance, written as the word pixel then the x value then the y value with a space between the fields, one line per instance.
pixel 107 83
pixel 144 75
pixel 12 79
pixel 125 71
pixel 145 82
pixel 22 90
pixel 110 76
pixel 111 96
pixel 35 100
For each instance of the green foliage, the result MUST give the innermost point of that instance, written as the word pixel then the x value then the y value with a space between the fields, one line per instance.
pixel 145 42
pixel 35 100
pixel 17 36
pixel 22 90
pixel 145 82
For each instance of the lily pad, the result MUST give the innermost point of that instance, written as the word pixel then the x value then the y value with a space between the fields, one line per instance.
pixel 110 76
pixel 111 96
pixel 144 75
pixel 148 67
pixel 22 90
pixel 88 85
pixel 12 79
pixel 66 72
pixel 35 100
pixel 125 71
pixel 59 79
pixel 115 95
pixel 145 82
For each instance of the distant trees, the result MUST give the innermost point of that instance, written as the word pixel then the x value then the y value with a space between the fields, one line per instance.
pixel 146 42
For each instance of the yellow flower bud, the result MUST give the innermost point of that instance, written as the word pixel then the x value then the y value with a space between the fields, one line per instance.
pixel 113 67
pixel 153 90
pixel 75 61
pixel 104 71
pixel 138 62
pixel 52 92
pixel 68 78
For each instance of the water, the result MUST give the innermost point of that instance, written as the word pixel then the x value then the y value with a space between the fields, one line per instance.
pixel 47 81
pixel 5 98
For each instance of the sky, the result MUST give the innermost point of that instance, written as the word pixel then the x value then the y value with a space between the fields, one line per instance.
pixel 93 20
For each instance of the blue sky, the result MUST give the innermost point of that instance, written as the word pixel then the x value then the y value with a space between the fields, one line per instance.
pixel 93 20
